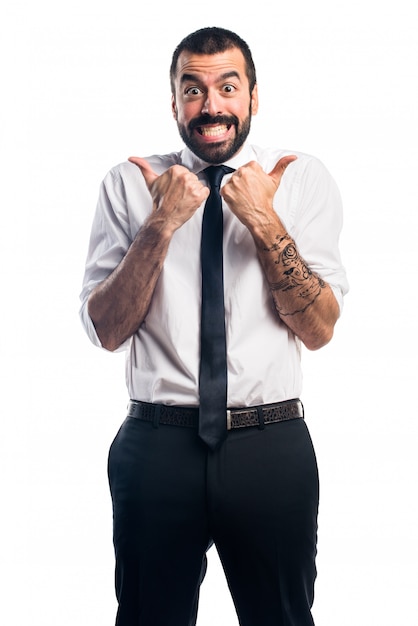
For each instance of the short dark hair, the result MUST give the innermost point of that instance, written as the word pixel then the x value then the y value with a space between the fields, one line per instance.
pixel 212 40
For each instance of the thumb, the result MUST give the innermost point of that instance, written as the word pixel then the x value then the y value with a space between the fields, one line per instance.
pixel 280 167
pixel 146 169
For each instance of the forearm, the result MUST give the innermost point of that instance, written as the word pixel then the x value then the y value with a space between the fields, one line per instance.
pixel 119 304
pixel 304 302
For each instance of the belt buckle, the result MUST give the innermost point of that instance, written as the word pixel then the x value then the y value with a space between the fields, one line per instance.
pixel 228 420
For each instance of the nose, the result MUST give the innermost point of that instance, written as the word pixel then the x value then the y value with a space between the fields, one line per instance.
pixel 212 105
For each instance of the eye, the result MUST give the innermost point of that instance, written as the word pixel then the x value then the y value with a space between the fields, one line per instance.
pixel 193 91
pixel 228 88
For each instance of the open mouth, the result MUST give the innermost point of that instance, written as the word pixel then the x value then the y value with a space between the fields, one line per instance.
pixel 215 130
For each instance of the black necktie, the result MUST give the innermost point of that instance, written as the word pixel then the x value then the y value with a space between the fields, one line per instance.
pixel 213 368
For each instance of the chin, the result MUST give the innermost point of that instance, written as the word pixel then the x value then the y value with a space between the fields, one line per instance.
pixel 214 153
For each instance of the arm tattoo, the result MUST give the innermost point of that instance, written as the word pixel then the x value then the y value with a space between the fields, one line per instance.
pixel 297 278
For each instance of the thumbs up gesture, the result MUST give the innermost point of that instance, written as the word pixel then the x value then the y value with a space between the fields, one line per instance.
pixel 250 191
pixel 176 194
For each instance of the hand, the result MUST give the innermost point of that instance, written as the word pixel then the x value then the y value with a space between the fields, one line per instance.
pixel 176 194
pixel 250 191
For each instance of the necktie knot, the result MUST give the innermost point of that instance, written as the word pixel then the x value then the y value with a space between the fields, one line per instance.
pixel 215 173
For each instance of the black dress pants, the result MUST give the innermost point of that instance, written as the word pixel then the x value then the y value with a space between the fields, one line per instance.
pixel 256 498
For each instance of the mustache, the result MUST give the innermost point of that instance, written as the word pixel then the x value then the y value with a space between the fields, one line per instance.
pixel 205 119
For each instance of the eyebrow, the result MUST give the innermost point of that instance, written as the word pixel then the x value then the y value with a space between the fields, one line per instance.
pixel 193 78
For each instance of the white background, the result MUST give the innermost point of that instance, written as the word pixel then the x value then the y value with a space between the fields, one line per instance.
pixel 85 85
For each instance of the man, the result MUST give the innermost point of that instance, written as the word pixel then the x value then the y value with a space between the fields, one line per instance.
pixel 182 474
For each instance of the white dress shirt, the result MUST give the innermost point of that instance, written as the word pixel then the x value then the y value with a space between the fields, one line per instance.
pixel 162 360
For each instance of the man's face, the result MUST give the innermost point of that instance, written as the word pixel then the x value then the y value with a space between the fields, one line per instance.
pixel 212 103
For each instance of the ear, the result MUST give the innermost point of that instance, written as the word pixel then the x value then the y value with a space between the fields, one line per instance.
pixel 174 107
pixel 254 100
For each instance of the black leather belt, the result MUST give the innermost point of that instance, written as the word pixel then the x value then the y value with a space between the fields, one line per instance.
pixel 235 418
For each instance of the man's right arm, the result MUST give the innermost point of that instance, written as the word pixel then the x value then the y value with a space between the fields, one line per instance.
pixel 119 304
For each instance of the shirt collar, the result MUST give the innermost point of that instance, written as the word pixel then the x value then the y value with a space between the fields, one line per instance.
pixel 196 165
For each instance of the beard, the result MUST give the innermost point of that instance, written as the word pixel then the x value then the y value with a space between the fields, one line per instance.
pixel 216 152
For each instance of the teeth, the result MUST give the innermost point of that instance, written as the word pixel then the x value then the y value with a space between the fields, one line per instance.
pixel 213 131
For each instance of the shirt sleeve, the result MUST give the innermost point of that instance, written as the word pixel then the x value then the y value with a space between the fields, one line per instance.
pixel 109 241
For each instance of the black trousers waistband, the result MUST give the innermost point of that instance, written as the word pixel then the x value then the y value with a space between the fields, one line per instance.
pixel 235 418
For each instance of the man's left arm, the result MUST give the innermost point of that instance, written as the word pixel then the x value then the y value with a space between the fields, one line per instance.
pixel 303 300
